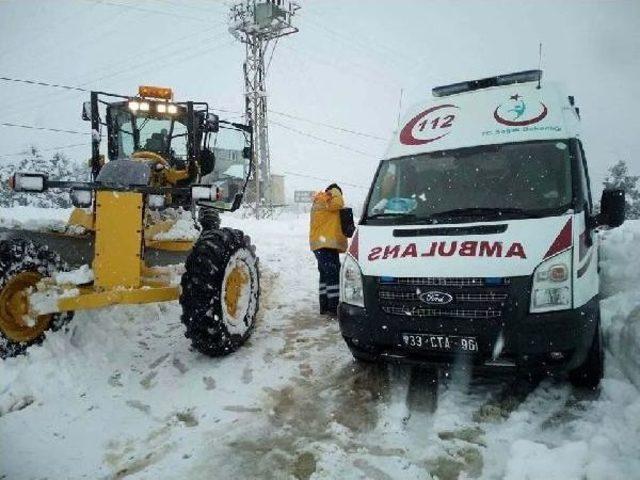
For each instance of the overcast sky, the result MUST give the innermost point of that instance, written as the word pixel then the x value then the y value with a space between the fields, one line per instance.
pixel 346 67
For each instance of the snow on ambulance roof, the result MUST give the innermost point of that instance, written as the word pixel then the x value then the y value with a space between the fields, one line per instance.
pixel 518 112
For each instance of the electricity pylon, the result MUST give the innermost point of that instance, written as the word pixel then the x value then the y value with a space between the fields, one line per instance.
pixel 257 23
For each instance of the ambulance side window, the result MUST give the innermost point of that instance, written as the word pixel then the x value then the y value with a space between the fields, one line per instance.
pixel 585 184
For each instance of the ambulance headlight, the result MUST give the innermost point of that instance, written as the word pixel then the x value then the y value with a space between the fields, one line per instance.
pixel 81 197
pixel 552 284
pixel 155 201
pixel 351 290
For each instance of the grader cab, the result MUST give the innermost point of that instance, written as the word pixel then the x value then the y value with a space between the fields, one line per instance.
pixel 165 161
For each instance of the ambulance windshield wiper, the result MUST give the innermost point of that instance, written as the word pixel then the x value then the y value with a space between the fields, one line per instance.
pixel 391 215
pixel 487 212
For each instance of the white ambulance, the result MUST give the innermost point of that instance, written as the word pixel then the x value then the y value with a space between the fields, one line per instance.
pixel 478 241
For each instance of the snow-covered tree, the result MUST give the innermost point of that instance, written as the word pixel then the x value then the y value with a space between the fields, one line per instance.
pixel 618 177
pixel 57 167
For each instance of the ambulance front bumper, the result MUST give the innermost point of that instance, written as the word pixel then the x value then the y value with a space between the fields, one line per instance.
pixel 516 340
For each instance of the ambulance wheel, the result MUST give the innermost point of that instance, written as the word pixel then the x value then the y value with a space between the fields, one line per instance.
pixel 589 374
pixel 220 291
pixel 209 218
pixel 22 265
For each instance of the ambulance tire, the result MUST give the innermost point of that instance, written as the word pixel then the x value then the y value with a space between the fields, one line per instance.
pixel 23 259
pixel 589 374
pixel 220 292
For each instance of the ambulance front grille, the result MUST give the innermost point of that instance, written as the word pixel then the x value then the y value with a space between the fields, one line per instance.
pixel 472 298
pixel 460 297
pixel 438 312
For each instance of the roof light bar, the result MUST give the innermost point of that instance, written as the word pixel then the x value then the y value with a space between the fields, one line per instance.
pixel 498 80
pixel 148 91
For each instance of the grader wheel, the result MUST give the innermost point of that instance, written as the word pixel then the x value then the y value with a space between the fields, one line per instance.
pixel 15 321
pixel 22 265
pixel 220 292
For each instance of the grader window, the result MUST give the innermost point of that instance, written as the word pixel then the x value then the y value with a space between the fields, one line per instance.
pixel 145 131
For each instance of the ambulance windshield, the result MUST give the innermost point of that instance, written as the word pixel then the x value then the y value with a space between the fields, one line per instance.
pixel 492 182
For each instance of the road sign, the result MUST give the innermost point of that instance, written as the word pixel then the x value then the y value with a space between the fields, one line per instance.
pixel 303 196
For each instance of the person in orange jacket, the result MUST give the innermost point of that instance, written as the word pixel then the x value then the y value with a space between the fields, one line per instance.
pixel 327 241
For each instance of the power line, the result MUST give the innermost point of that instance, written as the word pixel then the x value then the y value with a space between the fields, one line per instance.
pixel 44 84
pixel 327 125
pixel 288 115
pixel 323 140
pixel 199 9
pixel 149 10
pixel 353 69
pixel 46 129
pixel 31 38
pixel 61 147
pixel 129 69
pixel 299 132
pixel 365 45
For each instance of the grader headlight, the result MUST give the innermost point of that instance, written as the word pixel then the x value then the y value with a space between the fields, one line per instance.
pixel 81 197
pixel 28 182
pixel 163 107
pixel 204 192
pixel 156 201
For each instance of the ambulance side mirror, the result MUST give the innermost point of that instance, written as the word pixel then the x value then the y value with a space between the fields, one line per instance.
pixel 612 208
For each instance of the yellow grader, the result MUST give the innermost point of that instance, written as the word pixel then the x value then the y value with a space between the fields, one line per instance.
pixel 163 158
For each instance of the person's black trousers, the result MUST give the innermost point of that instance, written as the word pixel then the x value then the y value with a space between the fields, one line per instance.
pixel 329 267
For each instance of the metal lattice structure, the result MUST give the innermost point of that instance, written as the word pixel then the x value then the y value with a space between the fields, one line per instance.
pixel 257 23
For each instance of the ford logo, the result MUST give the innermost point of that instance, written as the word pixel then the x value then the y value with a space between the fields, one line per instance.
pixel 435 298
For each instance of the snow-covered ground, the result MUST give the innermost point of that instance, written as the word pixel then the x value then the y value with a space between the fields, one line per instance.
pixel 121 395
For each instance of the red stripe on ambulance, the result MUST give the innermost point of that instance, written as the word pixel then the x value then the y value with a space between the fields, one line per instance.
pixel 562 241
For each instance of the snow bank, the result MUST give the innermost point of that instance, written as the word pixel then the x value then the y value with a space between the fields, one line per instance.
pixel 620 279
pixel 183 229
pixel 533 460
pixel 34 218
pixel 80 276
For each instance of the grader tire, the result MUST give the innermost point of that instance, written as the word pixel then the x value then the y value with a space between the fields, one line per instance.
pixel 22 265
pixel 220 292
pixel 209 218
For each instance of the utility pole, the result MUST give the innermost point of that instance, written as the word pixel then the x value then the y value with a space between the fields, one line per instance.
pixel 256 23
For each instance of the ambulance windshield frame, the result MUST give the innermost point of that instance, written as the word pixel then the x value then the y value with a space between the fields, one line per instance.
pixel 481 183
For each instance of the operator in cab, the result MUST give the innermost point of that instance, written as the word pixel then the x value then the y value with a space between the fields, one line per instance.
pixel 327 242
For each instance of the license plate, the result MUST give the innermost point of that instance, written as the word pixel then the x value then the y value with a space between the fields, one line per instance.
pixel 440 343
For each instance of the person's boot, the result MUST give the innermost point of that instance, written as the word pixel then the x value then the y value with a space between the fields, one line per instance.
pixel 324 302
pixel 332 307
pixel 333 292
